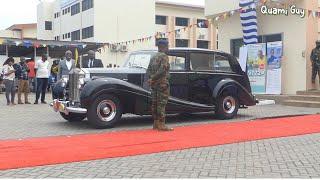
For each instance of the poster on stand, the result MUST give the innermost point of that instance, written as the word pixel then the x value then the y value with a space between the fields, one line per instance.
pixel 256 67
pixel 274 69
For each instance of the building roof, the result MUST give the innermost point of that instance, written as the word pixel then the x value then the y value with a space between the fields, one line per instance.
pixel 22 26
pixel 184 5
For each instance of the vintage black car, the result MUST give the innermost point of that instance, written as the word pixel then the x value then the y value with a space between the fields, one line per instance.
pixel 201 81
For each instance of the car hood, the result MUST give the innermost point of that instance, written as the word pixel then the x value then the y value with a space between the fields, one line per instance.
pixel 115 70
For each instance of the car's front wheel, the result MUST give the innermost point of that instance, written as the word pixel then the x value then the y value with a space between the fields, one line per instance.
pixel 72 117
pixel 227 106
pixel 104 112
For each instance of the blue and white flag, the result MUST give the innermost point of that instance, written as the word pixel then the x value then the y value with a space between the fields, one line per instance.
pixel 249 21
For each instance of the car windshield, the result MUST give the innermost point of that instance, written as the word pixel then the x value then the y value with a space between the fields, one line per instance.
pixel 139 60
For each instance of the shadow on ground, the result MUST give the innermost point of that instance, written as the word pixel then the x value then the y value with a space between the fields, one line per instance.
pixel 133 121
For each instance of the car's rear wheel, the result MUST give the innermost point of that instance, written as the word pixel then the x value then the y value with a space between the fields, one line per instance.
pixel 73 117
pixel 227 106
pixel 105 111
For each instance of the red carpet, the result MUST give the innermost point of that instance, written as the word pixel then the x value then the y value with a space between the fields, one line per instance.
pixel 56 150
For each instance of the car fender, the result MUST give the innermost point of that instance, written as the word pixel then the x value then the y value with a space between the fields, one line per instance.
pixel 125 91
pixel 245 97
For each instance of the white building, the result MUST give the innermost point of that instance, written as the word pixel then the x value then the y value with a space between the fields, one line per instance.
pixel 108 21
pixel 298 36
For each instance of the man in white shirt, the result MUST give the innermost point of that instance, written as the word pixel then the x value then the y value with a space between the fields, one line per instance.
pixel 66 65
pixel 42 74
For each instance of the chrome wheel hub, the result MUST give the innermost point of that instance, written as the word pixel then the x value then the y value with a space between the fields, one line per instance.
pixel 229 105
pixel 106 110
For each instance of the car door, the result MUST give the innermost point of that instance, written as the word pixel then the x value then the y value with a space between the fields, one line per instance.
pixel 201 77
pixel 208 69
pixel 178 75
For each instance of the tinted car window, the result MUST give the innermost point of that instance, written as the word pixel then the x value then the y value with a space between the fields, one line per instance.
pixel 209 62
pixel 222 63
pixel 177 62
pixel 202 62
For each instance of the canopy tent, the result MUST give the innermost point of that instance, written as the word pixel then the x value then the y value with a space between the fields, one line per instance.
pixel 33 47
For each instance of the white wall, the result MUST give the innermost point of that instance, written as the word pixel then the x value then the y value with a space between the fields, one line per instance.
pixel 125 20
pixel 57 21
pixel 294 31
pixel 170 10
pixel 45 12
pixel 219 6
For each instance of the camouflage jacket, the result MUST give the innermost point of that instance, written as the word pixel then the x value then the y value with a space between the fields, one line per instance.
pixel 158 70
pixel 315 57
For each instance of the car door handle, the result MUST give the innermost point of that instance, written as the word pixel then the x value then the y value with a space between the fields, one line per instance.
pixel 125 79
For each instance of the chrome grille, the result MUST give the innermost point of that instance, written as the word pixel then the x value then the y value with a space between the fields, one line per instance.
pixel 74 84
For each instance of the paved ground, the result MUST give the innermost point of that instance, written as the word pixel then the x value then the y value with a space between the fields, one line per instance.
pixel 24 121
pixel 294 157
pixel 284 157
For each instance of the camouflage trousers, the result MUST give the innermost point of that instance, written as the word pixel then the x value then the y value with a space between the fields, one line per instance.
pixel 315 72
pixel 159 102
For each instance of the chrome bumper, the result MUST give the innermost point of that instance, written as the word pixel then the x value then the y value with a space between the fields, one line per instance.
pixel 63 106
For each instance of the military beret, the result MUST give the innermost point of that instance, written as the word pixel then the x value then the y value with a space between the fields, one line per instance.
pixel 162 42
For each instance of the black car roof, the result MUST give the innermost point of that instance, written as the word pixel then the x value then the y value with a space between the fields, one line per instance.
pixel 186 49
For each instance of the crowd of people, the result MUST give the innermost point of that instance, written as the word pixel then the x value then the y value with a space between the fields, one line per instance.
pixel 19 77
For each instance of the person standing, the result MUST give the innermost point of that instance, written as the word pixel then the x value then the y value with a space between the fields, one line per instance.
pixel 42 74
pixel 23 80
pixel 55 69
pixel 158 73
pixel 315 60
pixel 8 79
pixel 32 75
pixel 92 62
pixel 66 65
pixel 1 80
pixel 53 74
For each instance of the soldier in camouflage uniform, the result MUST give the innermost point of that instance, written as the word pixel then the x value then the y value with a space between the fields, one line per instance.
pixel 158 72
pixel 315 59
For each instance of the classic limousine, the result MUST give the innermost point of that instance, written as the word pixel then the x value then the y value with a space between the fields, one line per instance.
pixel 201 81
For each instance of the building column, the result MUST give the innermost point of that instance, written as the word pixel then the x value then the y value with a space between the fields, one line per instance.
pixel 212 35
pixel 311 38
pixel 170 28
pixel 193 33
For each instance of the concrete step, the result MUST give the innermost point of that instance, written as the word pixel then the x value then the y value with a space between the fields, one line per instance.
pixel 277 98
pixel 309 93
pixel 296 103
pixel 304 98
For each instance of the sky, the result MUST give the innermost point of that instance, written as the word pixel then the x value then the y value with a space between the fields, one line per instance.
pixel 25 11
